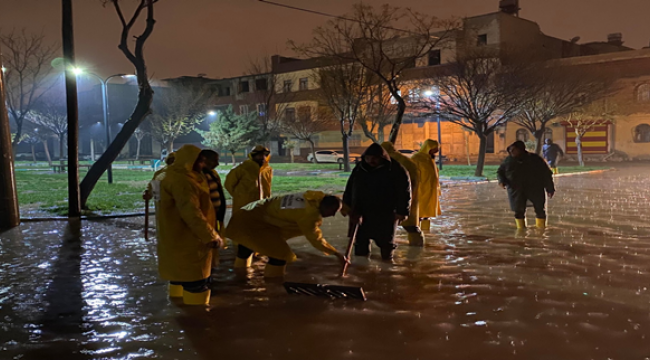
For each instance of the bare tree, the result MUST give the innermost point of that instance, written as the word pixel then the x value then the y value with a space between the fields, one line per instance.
pixel 27 59
pixel 378 113
pixel 555 91
pixel 585 118
pixel 267 94
pixel 139 134
pixel 50 113
pixel 35 135
pixel 386 41
pixel 306 125
pixel 145 93
pixel 231 131
pixel 177 111
pixel 478 91
pixel 344 88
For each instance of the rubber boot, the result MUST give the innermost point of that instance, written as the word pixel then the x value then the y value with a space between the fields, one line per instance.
pixel 521 223
pixel 243 263
pixel 540 223
pixel 555 171
pixel 175 291
pixel 416 238
pixel 202 298
pixel 274 271
pixel 387 253
pixel 425 225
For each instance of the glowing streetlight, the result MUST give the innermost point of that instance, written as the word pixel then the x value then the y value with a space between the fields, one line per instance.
pixel 212 113
pixel 428 93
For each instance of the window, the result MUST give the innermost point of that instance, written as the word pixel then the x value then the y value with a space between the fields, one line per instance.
pixel 642 133
pixel 434 57
pixel 548 134
pixel 290 114
pixel 481 40
pixel 643 93
pixel 261 109
pixel 261 84
pixel 304 113
pixel 414 95
pixel 244 87
pixel 224 91
pixel 522 135
pixel 304 84
pixel 243 109
pixel 287 86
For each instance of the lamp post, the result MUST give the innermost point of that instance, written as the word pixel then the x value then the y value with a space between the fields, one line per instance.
pixel 107 129
pixel 436 93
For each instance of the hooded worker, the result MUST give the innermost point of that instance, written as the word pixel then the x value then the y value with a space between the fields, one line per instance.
pixel 186 233
pixel 251 180
pixel 265 226
pixel 527 177
pixel 411 224
pixel 378 196
pixel 429 184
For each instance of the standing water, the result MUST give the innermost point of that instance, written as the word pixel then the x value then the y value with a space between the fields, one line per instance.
pixel 477 290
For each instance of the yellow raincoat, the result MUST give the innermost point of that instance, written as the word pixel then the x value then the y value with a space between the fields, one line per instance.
pixel 429 185
pixel 186 221
pixel 248 182
pixel 265 226
pixel 414 174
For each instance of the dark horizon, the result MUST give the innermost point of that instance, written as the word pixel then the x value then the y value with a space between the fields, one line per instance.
pixel 209 37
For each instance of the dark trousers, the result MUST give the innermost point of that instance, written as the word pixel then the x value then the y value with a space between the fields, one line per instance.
pixel 194 286
pixel 244 253
pixel 519 200
pixel 381 231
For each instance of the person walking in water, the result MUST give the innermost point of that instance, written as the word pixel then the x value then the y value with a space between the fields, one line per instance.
pixel 251 180
pixel 552 152
pixel 527 177
pixel 429 183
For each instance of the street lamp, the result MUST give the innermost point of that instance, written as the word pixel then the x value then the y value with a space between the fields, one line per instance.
pixel 104 83
pixel 436 93
pixel 212 113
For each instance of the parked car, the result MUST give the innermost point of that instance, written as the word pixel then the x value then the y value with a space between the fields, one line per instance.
pixel 408 153
pixel 332 156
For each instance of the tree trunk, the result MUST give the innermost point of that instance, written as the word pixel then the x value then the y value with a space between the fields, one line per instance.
pixel 313 150
pixel 539 140
pixel 142 109
pixel 401 108
pixel 291 154
pixel 33 154
pixel 137 150
pixel 581 161
pixel 232 156
pixel 380 135
pixel 469 159
pixel 19 132
pixel 481 154
pixel 346 147
pixel 47 153
pixel 61 150
pixel 170 146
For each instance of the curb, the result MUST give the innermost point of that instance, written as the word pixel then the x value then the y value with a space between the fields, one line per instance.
pixel 466 183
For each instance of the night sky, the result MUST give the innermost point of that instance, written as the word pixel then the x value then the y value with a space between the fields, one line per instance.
pixel 217 37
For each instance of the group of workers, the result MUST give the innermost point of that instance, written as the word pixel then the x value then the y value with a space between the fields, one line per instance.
pixel 385 189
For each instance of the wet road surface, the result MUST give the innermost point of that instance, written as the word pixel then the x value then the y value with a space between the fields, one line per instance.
pixel 478 289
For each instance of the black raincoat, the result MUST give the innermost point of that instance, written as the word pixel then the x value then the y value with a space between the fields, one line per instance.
pixel 527 178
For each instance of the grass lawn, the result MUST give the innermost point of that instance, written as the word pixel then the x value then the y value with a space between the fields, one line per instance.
pixel 40 189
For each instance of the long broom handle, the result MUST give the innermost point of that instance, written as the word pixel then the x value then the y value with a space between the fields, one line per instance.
pixel 146 219
pixel 348 252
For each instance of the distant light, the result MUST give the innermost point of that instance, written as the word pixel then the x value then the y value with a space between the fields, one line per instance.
pixel 428 93
pixel 99 122
pixel 4 69
pixel 77 71
pixel 212 113
pixel 128 76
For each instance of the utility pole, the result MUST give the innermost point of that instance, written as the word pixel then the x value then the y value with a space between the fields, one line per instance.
pixel 9 214
pixel 74 201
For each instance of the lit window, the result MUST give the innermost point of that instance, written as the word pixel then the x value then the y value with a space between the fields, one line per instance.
pixel 304 84
pixel 642 133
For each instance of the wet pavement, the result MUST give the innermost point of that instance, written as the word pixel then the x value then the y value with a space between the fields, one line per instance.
pixel 478 289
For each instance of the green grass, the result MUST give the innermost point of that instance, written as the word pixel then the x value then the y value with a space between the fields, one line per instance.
pixel 43 190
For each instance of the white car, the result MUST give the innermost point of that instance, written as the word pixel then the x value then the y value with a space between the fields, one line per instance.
pixel 408 153
pixel 331 156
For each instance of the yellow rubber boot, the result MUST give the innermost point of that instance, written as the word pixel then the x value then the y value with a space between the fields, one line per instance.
pixel 243 263
pixel 555 171
pixel 540 223
pixel 196 298
pixel 425 225
pixel 175 291
pixel 416 239
pixel 274 271
pixel 521 223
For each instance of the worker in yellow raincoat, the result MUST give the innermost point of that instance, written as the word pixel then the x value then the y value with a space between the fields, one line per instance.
pixel 265 226
pixel 251 180
pixel 429 184
pixel 186 227
pixel 411 225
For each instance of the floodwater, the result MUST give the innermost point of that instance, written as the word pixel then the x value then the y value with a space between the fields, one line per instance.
pixel 478 289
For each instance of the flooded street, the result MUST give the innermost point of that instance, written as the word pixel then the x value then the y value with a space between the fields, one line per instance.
pixel 477 290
